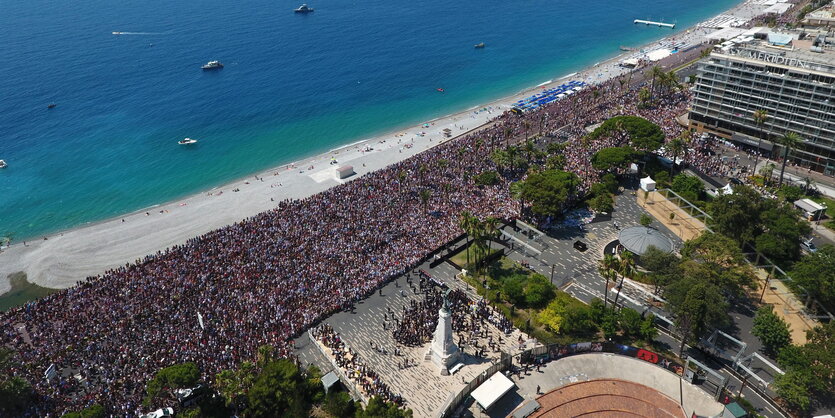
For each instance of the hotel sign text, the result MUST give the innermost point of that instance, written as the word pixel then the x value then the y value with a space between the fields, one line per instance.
pixel 769 58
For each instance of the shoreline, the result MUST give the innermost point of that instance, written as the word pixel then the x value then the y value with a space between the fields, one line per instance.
pixel 66 257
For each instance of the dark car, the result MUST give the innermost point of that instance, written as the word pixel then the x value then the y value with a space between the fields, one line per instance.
pixel 580 245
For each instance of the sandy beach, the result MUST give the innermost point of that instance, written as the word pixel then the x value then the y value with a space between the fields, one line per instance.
pixel 62 259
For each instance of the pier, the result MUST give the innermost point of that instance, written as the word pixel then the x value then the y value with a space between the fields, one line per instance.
pixel 659 24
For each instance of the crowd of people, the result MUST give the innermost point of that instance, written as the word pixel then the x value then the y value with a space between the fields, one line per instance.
pixel 468 317
pixel 354 368
pixel 266 279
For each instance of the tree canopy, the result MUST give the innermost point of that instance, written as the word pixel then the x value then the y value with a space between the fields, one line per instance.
pixel 613 159
pixel 815 272
pixel 549 190
pixel 15 392
pixel 688 187
pixel 698 306
pixel 772 330
pixel 281 390
pixel 642 134
pixel 178 376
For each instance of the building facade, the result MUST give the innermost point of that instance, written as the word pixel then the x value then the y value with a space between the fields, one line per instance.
pixel 792 79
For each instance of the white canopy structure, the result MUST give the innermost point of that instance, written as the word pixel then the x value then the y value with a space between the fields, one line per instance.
pixel 647 184
pixel 492 390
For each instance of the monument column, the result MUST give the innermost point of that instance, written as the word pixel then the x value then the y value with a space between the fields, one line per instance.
pixel 443 350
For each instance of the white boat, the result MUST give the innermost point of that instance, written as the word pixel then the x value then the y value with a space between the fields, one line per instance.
pixel 304 9
pixel 3 164
pixel 212 65
pixel 187 141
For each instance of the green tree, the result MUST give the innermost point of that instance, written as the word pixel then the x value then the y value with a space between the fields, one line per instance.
pixel 648 330
pixel 645 220
pixel 662 178
pixel 92 411
pixel 663 266
pixel 793 387
pixel 613 159
pixel 629 321
pixel 178 376
pixel 608 267
pixel 377 408
pixel 688 187
pixel 339 404
pixel 772 330
pixel 737 215
pixel 602 203
pixel 719 260
pixel 233 385
pixel 487 178
pixel 280 389
pixel 514 290
pixel 675 147
pixel 783 231
pixel 15 392
pixel 549 190
pixel 425 195
pixel 538 291
pixel 759 116
pixel 641 133
pixel 789 141
pixel 815 272
pixel 578 320
pixel 698 306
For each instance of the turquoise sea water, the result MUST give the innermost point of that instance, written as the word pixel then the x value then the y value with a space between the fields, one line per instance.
pixel 293 86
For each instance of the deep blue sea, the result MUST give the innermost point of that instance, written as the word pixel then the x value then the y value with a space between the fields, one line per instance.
pixel 293 85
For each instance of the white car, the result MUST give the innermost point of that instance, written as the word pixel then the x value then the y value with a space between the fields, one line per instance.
pixel 160 413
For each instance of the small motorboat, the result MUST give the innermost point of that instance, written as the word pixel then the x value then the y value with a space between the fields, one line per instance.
pixel 440 90
pixel 51 106
pixel 212 65
pixel 187 141
pixel 303 9
pixel 3 164
pixel 479 45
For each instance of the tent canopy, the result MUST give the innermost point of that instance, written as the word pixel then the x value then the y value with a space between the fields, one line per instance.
pixel 492 390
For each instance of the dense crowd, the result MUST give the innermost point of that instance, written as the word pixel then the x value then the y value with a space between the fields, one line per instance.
pixel 468 317
pixel 267 278
pixel 354 368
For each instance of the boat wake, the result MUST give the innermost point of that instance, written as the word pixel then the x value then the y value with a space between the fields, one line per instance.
pixel 142 33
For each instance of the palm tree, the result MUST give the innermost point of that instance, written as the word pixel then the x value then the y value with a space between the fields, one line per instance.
pixel 607 267
pixel 788 141
pixel 760 116
pixel 491 228
pixel 656 72
pixel 675 146
pixel 466 223
pixel 425 195
pixel 507 133
pixel 529 150
pixel 516 192
pixel 527 125
pixel 401 177
pixel 625 268
pixel 767 172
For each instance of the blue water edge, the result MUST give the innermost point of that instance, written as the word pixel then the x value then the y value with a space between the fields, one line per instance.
pixel 293 85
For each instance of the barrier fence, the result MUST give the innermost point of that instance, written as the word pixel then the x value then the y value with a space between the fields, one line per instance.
pixel 503 364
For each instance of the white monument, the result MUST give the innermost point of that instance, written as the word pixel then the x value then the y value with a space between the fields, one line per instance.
pixel 443 351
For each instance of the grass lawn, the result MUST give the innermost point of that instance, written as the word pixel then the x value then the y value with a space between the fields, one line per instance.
pixel 460 259
pixel 830 210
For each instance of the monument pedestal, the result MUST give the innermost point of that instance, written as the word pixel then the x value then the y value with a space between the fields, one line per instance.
pixel 443 351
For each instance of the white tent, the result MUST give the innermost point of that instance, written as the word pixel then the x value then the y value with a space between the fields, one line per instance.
pixel 647 184
pixel 492 390
pixel 727 189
